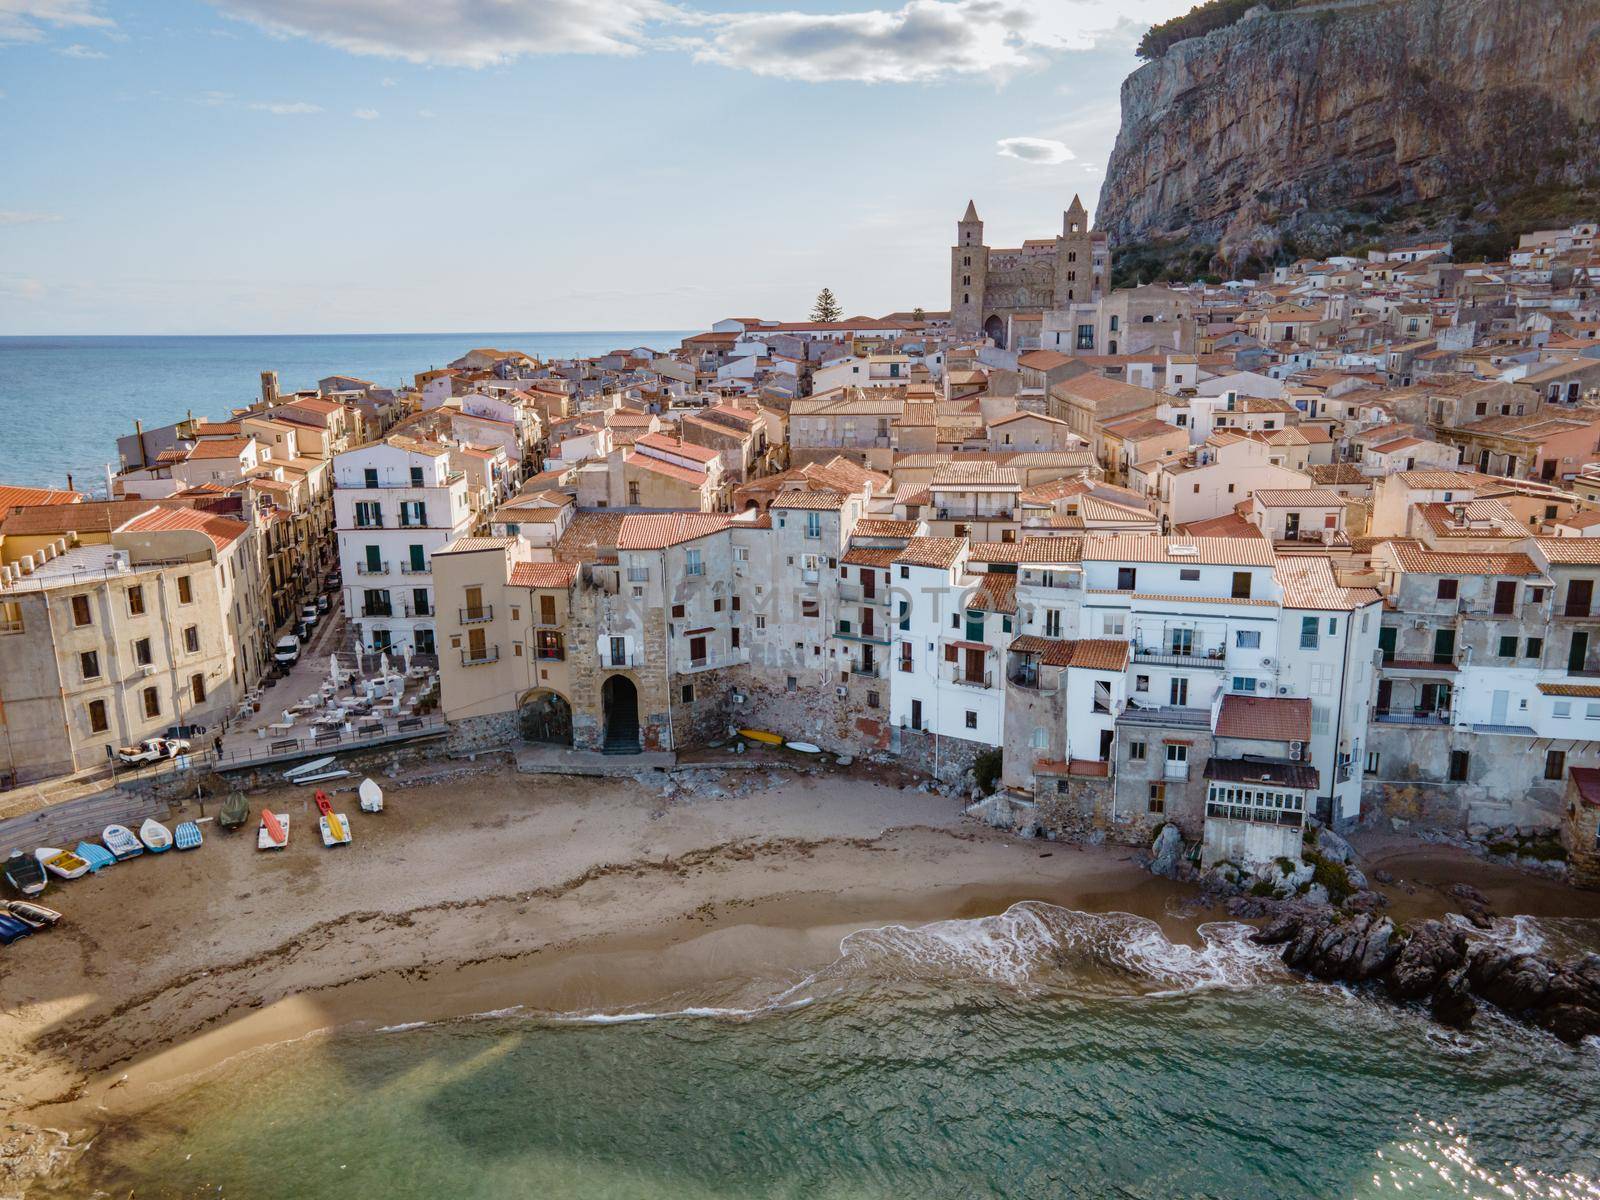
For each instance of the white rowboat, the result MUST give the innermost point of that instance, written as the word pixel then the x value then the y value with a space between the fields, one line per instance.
pixel 155 836
pixel 371 796
pixel 62 863
pixel 120 841
pixel 302 780
pixel 307 768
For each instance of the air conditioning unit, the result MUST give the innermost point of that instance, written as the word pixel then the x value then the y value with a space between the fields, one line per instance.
pixel 739 698
pixel 1295 750
pixel 147 671
pixel 841 691
pixel 1266 662
pixel 1283 691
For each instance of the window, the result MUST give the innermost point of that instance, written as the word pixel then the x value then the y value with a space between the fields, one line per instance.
pixel 1127 579
pixel 633 492
pixel 1189 574
pixel 548 645
pixel 761 622
pixel 185 590
pixel 152 702
pixel 369 514
pixel 89 664
pixel 197 688
pixel 1141 683
pixel 905 572
pixel 1447 589
pixel 141 653
pixel 413 513
pixel 1508 647
pixel 1562 708
pixel 972 719
pixel 813 524
pixel 80 610
pixel 191 639
pixel 547 610
pixel 735 604
pixel 98 722
pixel 686 696
pixel 1247 639
pixel 1372 762
pixel 369 477
pixel 809 608
pixel 416 477
pixel 1179 694
pixel 1111 624
pixel 1308 633
pixel 905 656
pixel 136 600
pixel 692 564
pixel 1244 683
pixel 1135 751
pixel 1241 585
pixel 677 611
pixel 1158 798
pixel 1534 648
pixel 1460 760
pixel 1555 764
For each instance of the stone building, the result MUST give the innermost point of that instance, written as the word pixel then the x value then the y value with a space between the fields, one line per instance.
pixel 992 286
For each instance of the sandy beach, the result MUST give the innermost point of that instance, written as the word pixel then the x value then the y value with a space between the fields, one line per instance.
pixel 478 893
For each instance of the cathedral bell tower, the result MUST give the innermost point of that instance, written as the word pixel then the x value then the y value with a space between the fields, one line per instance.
pixel 969 268
pixel 1076 277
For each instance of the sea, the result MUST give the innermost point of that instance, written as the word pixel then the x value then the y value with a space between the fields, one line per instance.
pixel 1041 1053
pixel 65 400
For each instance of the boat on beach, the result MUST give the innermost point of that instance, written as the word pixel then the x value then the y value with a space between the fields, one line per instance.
pixel 64 864
pixel 120 841
pixel 11 929
pixel 24 873
pixel 36 915
pixel 187 836
pixel 320 777
pixel 308 768
pixel 155 836
pixel 335 826
pixel 804 747
pixel 762 735
pixel 274 831
pixel 235 811
pixel 96 855
pixel 371 796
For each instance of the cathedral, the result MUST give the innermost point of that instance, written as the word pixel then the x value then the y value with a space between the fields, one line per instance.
pixel 989 287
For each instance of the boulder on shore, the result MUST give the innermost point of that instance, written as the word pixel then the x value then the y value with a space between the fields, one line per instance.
pixel 1166 852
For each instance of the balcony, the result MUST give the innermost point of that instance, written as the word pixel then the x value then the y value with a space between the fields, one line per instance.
pixel 966 679
pixel 872 670
pixel 477 616
pixel 620 661
pixel 1578 612
pixel 407 568
pixel 1028 678
pixel 852 593
pixel 1258 816
pixel 478 658
pixel 367 568
pixel 974 514
pixel 1416 716
pixel 873 637
pixel 377 610
pixel 1214 659
pixel 369 523
pixel 1177 769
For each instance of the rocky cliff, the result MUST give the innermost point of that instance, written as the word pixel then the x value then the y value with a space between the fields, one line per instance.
pixel 1308 128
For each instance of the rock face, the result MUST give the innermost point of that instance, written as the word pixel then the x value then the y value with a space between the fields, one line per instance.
pixel 1281 120
pixel 1166 851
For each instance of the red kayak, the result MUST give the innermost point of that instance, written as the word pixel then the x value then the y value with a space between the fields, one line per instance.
pixel 323 805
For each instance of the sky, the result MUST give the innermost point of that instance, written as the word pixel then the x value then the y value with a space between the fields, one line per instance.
pixel 344 166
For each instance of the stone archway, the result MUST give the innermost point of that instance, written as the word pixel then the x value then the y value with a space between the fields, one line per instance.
pixel 619 700
pixel 545 716
pixel 995 330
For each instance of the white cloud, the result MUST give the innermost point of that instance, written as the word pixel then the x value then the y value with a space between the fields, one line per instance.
pixel 1044 151
pixel 77 51
pixel 427 114
pixel 365 114
pixel 27 20
pixel 461 33
pixel 919 41
pixel 28 218
pixel 211 99
pixel 293 109
pixel 387 81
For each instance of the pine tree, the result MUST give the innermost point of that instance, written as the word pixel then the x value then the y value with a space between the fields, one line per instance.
pixel 826 308
pixel 916 313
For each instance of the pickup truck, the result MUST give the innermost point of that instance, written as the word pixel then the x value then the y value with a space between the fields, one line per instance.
pixel 152 750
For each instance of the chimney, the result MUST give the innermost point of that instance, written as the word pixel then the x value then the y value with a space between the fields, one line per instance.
pixel 69 481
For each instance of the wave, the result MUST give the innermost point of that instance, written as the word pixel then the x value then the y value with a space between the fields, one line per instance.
pixel 1520 934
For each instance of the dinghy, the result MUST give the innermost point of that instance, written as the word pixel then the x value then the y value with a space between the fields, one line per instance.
pixel 62 863
pixel 804 747
pixel 371 796
pixel 155 836
pixel 188 836
pixel 274 831
pixel 96 855
pixel 24 873
pixel 761 735
pixel 235 811
pixel 335 826
pixel 308 768
pixel 36 915
pixel 120 841
pixel 11 929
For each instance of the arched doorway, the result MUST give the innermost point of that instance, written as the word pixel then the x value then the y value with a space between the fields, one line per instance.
pixel 995 330
pixel 545 716
pixel 620 700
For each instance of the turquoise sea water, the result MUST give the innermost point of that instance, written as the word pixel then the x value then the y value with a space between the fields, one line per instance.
pixel 1039 1054
pixel 65 400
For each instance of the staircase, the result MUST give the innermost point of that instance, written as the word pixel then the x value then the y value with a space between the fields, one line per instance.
pixel 622 734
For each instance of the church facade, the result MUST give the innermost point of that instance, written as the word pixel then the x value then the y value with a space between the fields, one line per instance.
pixel 994 291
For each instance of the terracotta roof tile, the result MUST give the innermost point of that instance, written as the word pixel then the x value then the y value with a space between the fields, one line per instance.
pixel 543 574
pixel 656 531
pixel 931 552
pixel 1264 718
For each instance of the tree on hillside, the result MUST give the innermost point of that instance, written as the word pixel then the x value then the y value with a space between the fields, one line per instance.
pixel 827 307
pixel 916 313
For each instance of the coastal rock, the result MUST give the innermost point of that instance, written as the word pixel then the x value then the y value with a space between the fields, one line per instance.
pixel 1166 851
pixel 1453 1003
pixel 1382 876
pixel 1433 950
pixel 1317 894
pixel 1324 946
pixel 1357 878
pixel 1330 845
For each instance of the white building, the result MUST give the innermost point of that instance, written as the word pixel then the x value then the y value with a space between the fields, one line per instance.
pixel 395 502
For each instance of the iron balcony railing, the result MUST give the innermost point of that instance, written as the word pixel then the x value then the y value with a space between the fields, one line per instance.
pixel 984 679
pixel 368 568
pixel 477 616
pixel 410 568
pixel 477 658
pixel 1173 656
pixel 1259 816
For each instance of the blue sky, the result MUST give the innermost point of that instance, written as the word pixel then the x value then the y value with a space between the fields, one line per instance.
pixel 288 166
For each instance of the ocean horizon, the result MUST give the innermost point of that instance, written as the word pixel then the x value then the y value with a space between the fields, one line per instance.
pixel 66 399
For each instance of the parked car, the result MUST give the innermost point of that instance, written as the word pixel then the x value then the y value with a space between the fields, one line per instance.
pixel 324 602
pixel 286 650
pixel 309 614
pixel 152 750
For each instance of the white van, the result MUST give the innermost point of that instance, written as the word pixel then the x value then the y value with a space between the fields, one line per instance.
pixel 286 651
